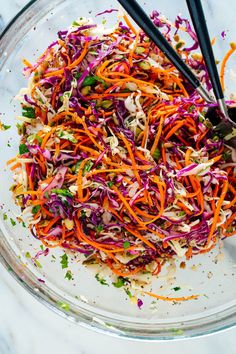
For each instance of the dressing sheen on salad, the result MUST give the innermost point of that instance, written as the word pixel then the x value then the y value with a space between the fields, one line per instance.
pixel 117 160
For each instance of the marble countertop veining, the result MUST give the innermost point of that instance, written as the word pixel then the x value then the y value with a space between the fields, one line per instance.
pixel 28 327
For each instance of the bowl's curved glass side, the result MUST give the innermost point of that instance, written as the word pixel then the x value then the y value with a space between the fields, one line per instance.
pixel 106 324
pixel 118 317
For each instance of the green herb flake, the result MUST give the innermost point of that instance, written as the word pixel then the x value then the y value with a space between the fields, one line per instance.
pixel 39 265
pixel 62 192
pixel 191 108
pixel 31 138
pixel 66 94
pixel 69 275
pixel 179 45
pixel 126 244
pixel 99 228
pixel 89 81
pixel 66 136
pixel 110 184
pixel 12 222
pixel 5 217
pixel 226 155
pixel 83 214
pixel 35 209
pixel 42 247
pixel 176 288
pixel 23 224
pixel 64 261
pixel 8 144
pixel 182 213
pixel 230 229
pixel 102 281
pixel 128 293
pixel 27 255
pixel 157 154
pixel 64 306
pixel 88 166
pixel 78 75
pixel 28 112
pixel 6 127
pixel 119 283
pixel 75 24
pixel 177 331
pixel 46 195
pixel 23 149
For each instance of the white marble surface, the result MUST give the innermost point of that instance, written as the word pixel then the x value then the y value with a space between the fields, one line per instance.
pixel 27 327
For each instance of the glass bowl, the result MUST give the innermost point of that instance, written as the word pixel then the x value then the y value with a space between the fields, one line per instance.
pixel 84 300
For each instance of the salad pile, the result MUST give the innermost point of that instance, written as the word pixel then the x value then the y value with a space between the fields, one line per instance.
pixel 117 160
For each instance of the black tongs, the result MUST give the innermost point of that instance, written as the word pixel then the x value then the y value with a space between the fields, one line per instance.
pixel 226 125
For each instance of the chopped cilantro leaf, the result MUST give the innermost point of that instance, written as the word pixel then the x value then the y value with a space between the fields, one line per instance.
pixel 64 261
pixel 46 195
pixel 68 275
pixel 63 192
pixel 64 306
pixel 177 331
pixel 191 108
pixel 177 288
pixel 12 222
pixel 23 224
pixel 35 209
pixel 88 166
pixel 27 255
pixel 39 265
pixel 66 136
pixel 128 293
pixel 126 244
pixel 99 228
pixel 31 138
pixel 157 154
pixel 101 280
pixel 226 155
pixel 110 184
pixel 90 80
pixel 28 112
pixel 5 217
pixel 6 127
pixel 78 75
pixel 42 247
pixel 120 282
pixel 23 149
pixel 76 24
pixel 76 167
pixel 65 94
pixel 83 214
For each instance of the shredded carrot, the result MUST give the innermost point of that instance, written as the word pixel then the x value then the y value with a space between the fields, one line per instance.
pixel 217 212
pixel 129 24
pixel 72 65
pixel 165 298
pixel 158 135
pixel 223 64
